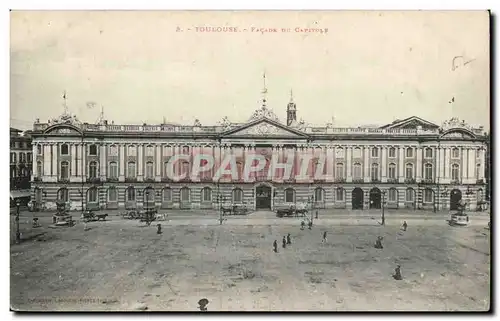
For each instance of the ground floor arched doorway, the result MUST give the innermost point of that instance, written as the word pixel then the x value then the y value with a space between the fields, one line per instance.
pixel 455 198
pixel 375 198
pixel 263 197
pixel 357 199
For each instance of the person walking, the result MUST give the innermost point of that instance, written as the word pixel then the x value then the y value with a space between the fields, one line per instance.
pixel 324 237
pixel 284 242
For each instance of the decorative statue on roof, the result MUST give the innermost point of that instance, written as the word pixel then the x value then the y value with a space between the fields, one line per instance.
pixel 225 123
pixel 264 112
pixel 197 123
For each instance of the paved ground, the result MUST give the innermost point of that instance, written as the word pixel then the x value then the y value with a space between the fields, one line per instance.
pixel 123 265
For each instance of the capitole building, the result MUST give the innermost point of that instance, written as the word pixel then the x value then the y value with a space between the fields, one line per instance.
pixel 410 163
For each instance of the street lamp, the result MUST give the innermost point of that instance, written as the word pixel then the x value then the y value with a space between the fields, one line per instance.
pixel 18 233
pixel 383 207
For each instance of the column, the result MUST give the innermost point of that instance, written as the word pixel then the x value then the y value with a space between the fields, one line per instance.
pixel 471 169
pixel 140 162
pixel 482 161
pixel 384 164
pixel 55 149
pixel 158 154
pixel 83 164
pixel 366 164
pixel 34 172
pixel 73 161
pixel 401 164
pixel 103 161
pixel 348 157
pixel 440 164
pixel 121 162
pixel 330 163
pixel 418 164
pixel 463 163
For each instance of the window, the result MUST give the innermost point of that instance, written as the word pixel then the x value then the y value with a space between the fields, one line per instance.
pixel 64 149
pixel 113 150
pixel 185 150
pixel 455 153
pixel 339 152
pixel 21 157
pixel 39 149
pixel 237 195
pixel 479 195
pixel 150 151
pixel 167 194
pixel 131 172
pixel 374 172
pixel 455 172
pixel 113 170
pixel 131 150
pixel 165 169
pixel 409 171
pixel 130 194
pixel 64 170
pixel 185 168
pixel 409 194
pixel 428 195
pixel 428 152
pixel 428 171
pixel 393 195
pixel 62 195
pixel 39 169
pixel 185 194
pixel 149 195
pixel 93 150
pixel 149 170
pixel 339 170
pixel 206 194
pixel 339 194
pixel 356 153
pixel 93 170
pixel 392 171
pixel 12 157
pixel 112 195
pixel 289 195
pixel 409 152
pixel 357 171
pixel 30 158
pixel 92 195
pixel 319 194
pixel 392 152
pixel 478 171
pixel 375 152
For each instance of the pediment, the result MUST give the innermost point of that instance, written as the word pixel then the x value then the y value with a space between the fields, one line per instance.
pixel 63 129
pixel 411 123
pixel 265 128
pixel 458 133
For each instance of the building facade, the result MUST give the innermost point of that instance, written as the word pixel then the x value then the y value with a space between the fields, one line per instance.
pixel 20 163
pixel 410 163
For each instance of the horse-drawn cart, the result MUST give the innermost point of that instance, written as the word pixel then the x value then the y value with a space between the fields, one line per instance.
pixel 234 209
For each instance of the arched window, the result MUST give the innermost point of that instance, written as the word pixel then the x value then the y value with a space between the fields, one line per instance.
pixel 428 195
pixel 93 170
pixel 237 195
pixel 428 171
pixel 113 150
pixel 455 172
pixel 409 171
pixel 455 153
pixel 478 171
pixel 357 171
pixel 64 170
pixel 409 152
pixel 149 170
pixel 167 194
pixel 113 170
pixel 393 195
pixel 131 150
pixel 428 152
pixel 112 194
pixel 150 151
pixel 64 149
pixel 319 194
pixel 92 195
pixel 93 150
pixel 63 195
pixel 206 194
pixel 339 152
pixel 185 194
pixel 392 152
pixel 131 171
pixel 409 194
pixel 356 152
pixel 339 194
pixel 374 172
pixel 39 169
pixel 289 195
pixel 130 194
pixel 339 170
pixel 392 171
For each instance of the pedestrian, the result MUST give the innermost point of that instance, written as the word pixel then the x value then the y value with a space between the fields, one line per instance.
pixel 284 242
pixel 397 273
pixel 405 226
pixel 288 239
pixel 159 229
pixel 324 237
pixel 302 225
pixel 378 243
pixel 275 246
pixel 316 213
pixel 310 224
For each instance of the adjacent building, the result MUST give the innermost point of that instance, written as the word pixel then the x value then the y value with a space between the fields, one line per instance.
pixel 410 163
pixel 20 163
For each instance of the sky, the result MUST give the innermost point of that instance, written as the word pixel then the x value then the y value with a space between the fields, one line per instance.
pixel 368 68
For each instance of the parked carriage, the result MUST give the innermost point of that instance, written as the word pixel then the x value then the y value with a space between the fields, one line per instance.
pixel 234 209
